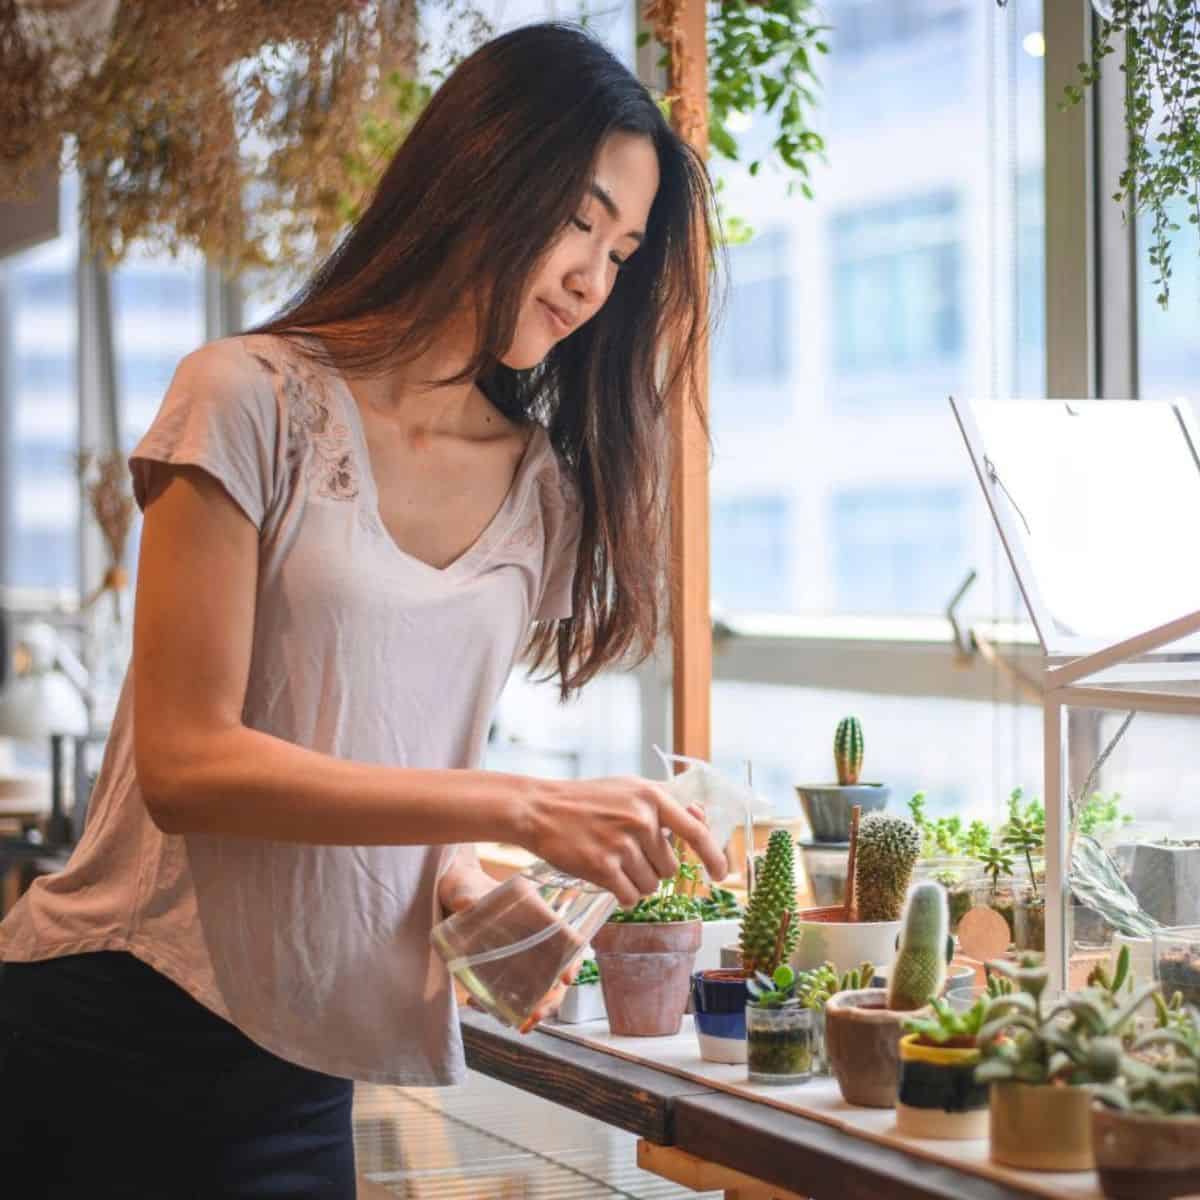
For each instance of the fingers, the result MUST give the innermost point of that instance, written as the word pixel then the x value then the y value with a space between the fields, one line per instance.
pixel 695 833
pixel 661 856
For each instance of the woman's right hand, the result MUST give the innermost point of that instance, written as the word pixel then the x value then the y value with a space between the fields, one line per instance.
pixel 616 833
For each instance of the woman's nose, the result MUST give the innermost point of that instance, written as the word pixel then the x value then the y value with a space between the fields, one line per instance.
pixel 588 280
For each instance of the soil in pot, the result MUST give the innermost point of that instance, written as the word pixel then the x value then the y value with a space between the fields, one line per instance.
pixel 1029 923
pixel 779 1044
pixel 1141 1157
pixel 645 971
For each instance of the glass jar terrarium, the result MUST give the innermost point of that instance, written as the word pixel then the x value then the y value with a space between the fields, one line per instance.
pixel 779 1043
pixel 960 877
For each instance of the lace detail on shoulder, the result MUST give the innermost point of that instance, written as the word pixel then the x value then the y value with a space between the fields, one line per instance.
pixel 331 468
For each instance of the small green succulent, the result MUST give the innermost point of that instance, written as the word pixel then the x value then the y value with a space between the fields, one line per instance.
pixel 777 990
pixel 946 1024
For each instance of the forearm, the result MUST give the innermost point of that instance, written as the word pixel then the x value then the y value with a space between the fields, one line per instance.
pixel 241 781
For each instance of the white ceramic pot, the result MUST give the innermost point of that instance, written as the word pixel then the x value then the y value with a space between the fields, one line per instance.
pixel 845 944
pixel 582 1002
pixel 714 935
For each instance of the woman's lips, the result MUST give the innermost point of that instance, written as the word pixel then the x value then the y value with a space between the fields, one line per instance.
pixel 557 323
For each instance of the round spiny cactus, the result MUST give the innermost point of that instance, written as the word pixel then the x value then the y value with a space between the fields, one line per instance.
pixel 774 894
pixel 848 750
pixel 920 968
pixel 887 852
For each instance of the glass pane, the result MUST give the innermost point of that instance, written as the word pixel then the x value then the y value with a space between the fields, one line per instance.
pixel 44 490
pixel 1169 339
pixel 839 482
pixel 1096 490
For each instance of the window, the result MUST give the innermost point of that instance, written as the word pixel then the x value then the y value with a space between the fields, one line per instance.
pixel 874 26
pixel 897 285
pixel 1169 339
pixel 752 547
pixel 753 345
pixel 898 550
pixel 39 342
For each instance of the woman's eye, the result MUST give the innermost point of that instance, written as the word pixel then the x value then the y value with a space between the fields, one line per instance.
pixel 580 223
pixel 618 260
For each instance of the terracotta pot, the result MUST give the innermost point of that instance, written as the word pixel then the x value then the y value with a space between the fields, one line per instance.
pixel 939 1097
pixel 826 937
pixel 862 1042
pixel 1140 1157
pixel 1041 1127
pixel 645 970
pixel 719 1005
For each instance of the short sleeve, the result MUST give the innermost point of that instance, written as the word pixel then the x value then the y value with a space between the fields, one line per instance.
pixel 562 521
pixel 221 414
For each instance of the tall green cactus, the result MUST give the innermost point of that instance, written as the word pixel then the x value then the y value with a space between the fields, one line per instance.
pixel 920 968
pixel 888 848
pixel 774 895
pixel 848 750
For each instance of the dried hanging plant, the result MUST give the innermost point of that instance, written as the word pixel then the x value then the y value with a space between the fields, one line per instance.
pixel 221 125
pixel 108 492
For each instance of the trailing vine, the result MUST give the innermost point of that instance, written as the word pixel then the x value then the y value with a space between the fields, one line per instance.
pixel 1162 113
pixel 761 59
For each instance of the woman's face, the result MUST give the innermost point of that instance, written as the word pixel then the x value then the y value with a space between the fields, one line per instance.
pixel 578 271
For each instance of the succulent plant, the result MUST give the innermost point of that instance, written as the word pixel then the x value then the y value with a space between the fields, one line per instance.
pixel 814 987
pixel 888 848
pixel 769 929
pixel 777 990
pixel 920 968
pixel 1077 1041
pixel 947 1025
pixel 848 750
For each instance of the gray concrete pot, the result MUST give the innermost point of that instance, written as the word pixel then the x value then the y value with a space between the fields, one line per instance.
pixel 827 806
pixel 1166 881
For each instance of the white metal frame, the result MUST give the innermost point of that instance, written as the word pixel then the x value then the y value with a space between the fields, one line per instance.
pixel 1077 673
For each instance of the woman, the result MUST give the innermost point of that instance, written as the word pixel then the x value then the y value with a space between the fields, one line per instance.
pixel 354 516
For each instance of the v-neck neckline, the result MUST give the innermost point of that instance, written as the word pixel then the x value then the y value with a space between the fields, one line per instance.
pixel 502 519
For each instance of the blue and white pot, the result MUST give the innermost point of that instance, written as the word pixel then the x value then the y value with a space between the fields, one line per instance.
pixel 719 1003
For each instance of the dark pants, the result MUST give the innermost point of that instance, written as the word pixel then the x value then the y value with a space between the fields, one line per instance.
pixel 116 1083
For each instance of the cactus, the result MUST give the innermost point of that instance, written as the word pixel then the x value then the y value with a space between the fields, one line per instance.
pixel 920 968
pixel 888 848
pixel 848 750
pixel 769 929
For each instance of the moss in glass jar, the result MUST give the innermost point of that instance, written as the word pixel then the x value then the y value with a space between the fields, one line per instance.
pixel 786 1052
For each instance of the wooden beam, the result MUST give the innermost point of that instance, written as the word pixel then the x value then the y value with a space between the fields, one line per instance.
pixel 691 623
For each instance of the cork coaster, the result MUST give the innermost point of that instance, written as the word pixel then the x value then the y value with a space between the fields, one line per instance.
pixel 983 933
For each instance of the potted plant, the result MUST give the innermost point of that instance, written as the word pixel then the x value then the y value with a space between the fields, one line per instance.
pixel 815 987
pixel 865 928
pixel 949 856
pixel 939 1096
pixel 645 955
pixel 827 806
pixel 1165 877
pixel 1177 961
pixel 1146 1126
pixel 768 935
pixel 779 1029
pixel 863 1028
pixel 1038 1059
pixel 1025 835
pixel 584 998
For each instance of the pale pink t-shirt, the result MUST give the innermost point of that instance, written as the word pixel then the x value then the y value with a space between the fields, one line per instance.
pixel 319 953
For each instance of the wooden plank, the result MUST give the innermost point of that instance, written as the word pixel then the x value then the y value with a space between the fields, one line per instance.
pixel 691 1171
pixel 791 1151
pixel 627 1095
pixel 691 620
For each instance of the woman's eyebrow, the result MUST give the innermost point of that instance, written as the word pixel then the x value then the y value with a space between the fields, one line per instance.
pixel 613 211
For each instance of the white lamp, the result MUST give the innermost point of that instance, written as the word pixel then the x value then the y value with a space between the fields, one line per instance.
pixel 46 693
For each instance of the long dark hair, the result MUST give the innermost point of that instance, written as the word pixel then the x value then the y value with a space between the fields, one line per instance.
pixel 492 171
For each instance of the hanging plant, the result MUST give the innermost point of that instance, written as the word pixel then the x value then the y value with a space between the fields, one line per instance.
pixel 1162 112
pixel 222 128
pixel 761 59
